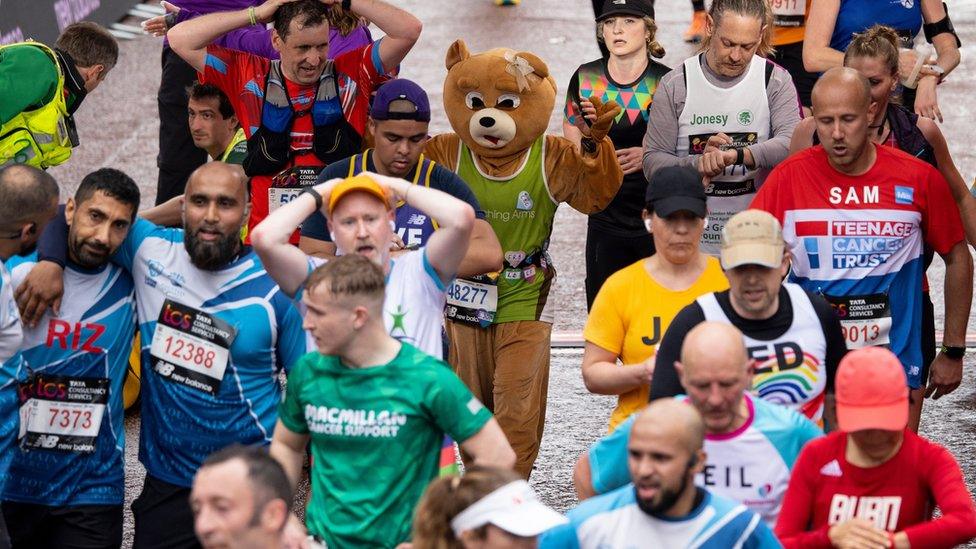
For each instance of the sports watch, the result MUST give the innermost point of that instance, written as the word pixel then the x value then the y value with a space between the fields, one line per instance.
pixel 954 353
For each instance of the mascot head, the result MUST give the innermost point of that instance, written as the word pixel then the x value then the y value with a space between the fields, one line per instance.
pixel 498 101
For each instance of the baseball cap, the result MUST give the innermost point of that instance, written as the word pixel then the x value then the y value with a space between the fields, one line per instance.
pixel 675 188
pixel 752 237
pixel 407 99
pixel 514 508
pixel 639 8
pixel 871 391
pixel 360 182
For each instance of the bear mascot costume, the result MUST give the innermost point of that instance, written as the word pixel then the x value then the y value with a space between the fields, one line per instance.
pixel 499 103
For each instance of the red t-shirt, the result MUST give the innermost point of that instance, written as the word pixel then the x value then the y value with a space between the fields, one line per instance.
pixel 241 76
pixel 898 495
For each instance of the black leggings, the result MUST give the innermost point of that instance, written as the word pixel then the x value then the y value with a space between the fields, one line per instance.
pixel 607 254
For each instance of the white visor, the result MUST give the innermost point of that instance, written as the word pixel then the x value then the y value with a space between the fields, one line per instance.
pixel 514 508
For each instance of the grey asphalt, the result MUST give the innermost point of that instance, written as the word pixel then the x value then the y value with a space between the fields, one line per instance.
pixel 118 127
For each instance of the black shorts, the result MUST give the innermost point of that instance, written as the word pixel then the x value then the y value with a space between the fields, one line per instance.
pixel 163 517
pixel 790 57
pixel 71 527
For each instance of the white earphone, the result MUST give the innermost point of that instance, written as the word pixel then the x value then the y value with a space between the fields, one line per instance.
pixel 647 223
pixel 392 225
pixel 332 236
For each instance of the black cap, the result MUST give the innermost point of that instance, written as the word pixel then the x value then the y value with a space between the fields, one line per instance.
pixel 674 189
pixel 639 8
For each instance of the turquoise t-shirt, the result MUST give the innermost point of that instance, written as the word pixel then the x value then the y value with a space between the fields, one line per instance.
pixel 376 439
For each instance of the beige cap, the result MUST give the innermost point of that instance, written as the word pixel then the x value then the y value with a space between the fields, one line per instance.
pixel 752 237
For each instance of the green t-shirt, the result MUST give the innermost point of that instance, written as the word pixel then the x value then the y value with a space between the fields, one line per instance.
pixel 376 435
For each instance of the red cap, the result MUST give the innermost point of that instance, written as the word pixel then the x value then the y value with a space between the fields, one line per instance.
pixel 871 391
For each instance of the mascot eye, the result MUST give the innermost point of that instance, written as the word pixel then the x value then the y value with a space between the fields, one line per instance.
pixel 508 101
pixel 474 100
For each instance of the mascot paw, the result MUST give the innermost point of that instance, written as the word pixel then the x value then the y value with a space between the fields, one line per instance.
pixel 605 115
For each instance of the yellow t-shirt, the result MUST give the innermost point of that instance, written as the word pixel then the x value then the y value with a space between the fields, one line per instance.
pixel 631 314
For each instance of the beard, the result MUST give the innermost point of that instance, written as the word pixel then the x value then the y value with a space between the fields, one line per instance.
pixel 84 257
pixel 211 256
pixel 665 500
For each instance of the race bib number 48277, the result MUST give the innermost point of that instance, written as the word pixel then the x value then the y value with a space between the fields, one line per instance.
pixel 191 347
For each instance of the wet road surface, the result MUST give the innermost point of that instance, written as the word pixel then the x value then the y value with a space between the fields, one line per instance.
pixel 118 127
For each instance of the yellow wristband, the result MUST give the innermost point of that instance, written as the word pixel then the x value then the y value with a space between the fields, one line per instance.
pixel 251 16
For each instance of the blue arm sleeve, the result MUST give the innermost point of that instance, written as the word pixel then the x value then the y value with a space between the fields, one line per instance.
pixel 53 243
pixel 292 344
pixel 560 537
pixel 608 459
pixel 125 256
pixel 762 538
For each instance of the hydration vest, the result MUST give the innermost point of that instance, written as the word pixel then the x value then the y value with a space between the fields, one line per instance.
pixel 269 148
pixel 42 137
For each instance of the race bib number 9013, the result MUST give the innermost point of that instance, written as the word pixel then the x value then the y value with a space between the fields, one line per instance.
pixel 191 347
pixel 865 320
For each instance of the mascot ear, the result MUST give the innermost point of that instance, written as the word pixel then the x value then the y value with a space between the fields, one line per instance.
pixel 538 65
pixel 456 53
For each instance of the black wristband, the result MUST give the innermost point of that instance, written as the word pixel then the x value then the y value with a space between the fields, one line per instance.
pixel 740 157
pixel 347 5
pixel 315 194
pixel 588 144
pixel 955 353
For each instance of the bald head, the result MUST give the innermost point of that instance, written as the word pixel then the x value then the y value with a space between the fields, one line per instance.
pixel 672 419
pixel 27 192
pixel 219 174
pixel 841 83
pixel 711 343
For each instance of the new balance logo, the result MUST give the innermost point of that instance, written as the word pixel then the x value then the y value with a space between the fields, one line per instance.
pixel 416 219
pixel 832 469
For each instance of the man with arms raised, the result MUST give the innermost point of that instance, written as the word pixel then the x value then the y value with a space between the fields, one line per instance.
pixel 301 112
pixel 660 505
pixel 751 444
pixel 375 410
pixel 857 217
pixel 398 122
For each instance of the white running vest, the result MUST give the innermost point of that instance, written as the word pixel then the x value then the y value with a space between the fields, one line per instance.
pixel 742 113
pixel 791 370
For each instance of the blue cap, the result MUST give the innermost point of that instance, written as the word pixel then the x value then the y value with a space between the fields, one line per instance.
pixel 400 89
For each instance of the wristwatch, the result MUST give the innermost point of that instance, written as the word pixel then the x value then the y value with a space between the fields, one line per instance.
pixel 315 194
pixel 955 353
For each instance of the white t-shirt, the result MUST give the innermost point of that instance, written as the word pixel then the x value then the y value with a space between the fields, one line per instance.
pixel 413 310
pixel 11 329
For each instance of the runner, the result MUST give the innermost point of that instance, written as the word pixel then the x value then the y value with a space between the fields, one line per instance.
pixel 360 216
pixel 30 199
pixel 371 404
pixel 66 480
pixel 874 484
pixel 214 126
pixel 794 336
pixel 727 112
pixel 874 53
pixel 215 331
pixel 42 87
pixel 486 508
pixel 636 305
pixel 833 24
pixel 661 506
pixel 615 236
pixel 241 498
pixel 750 444
pixel 855 218
pixel 398 124
pixel 301 112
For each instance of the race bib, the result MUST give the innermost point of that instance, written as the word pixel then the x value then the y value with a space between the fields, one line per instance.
pixel 191 347
pixel 290 183
pixel 789 13
pixel 60 413
pixel 472 302
pixel 865 320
